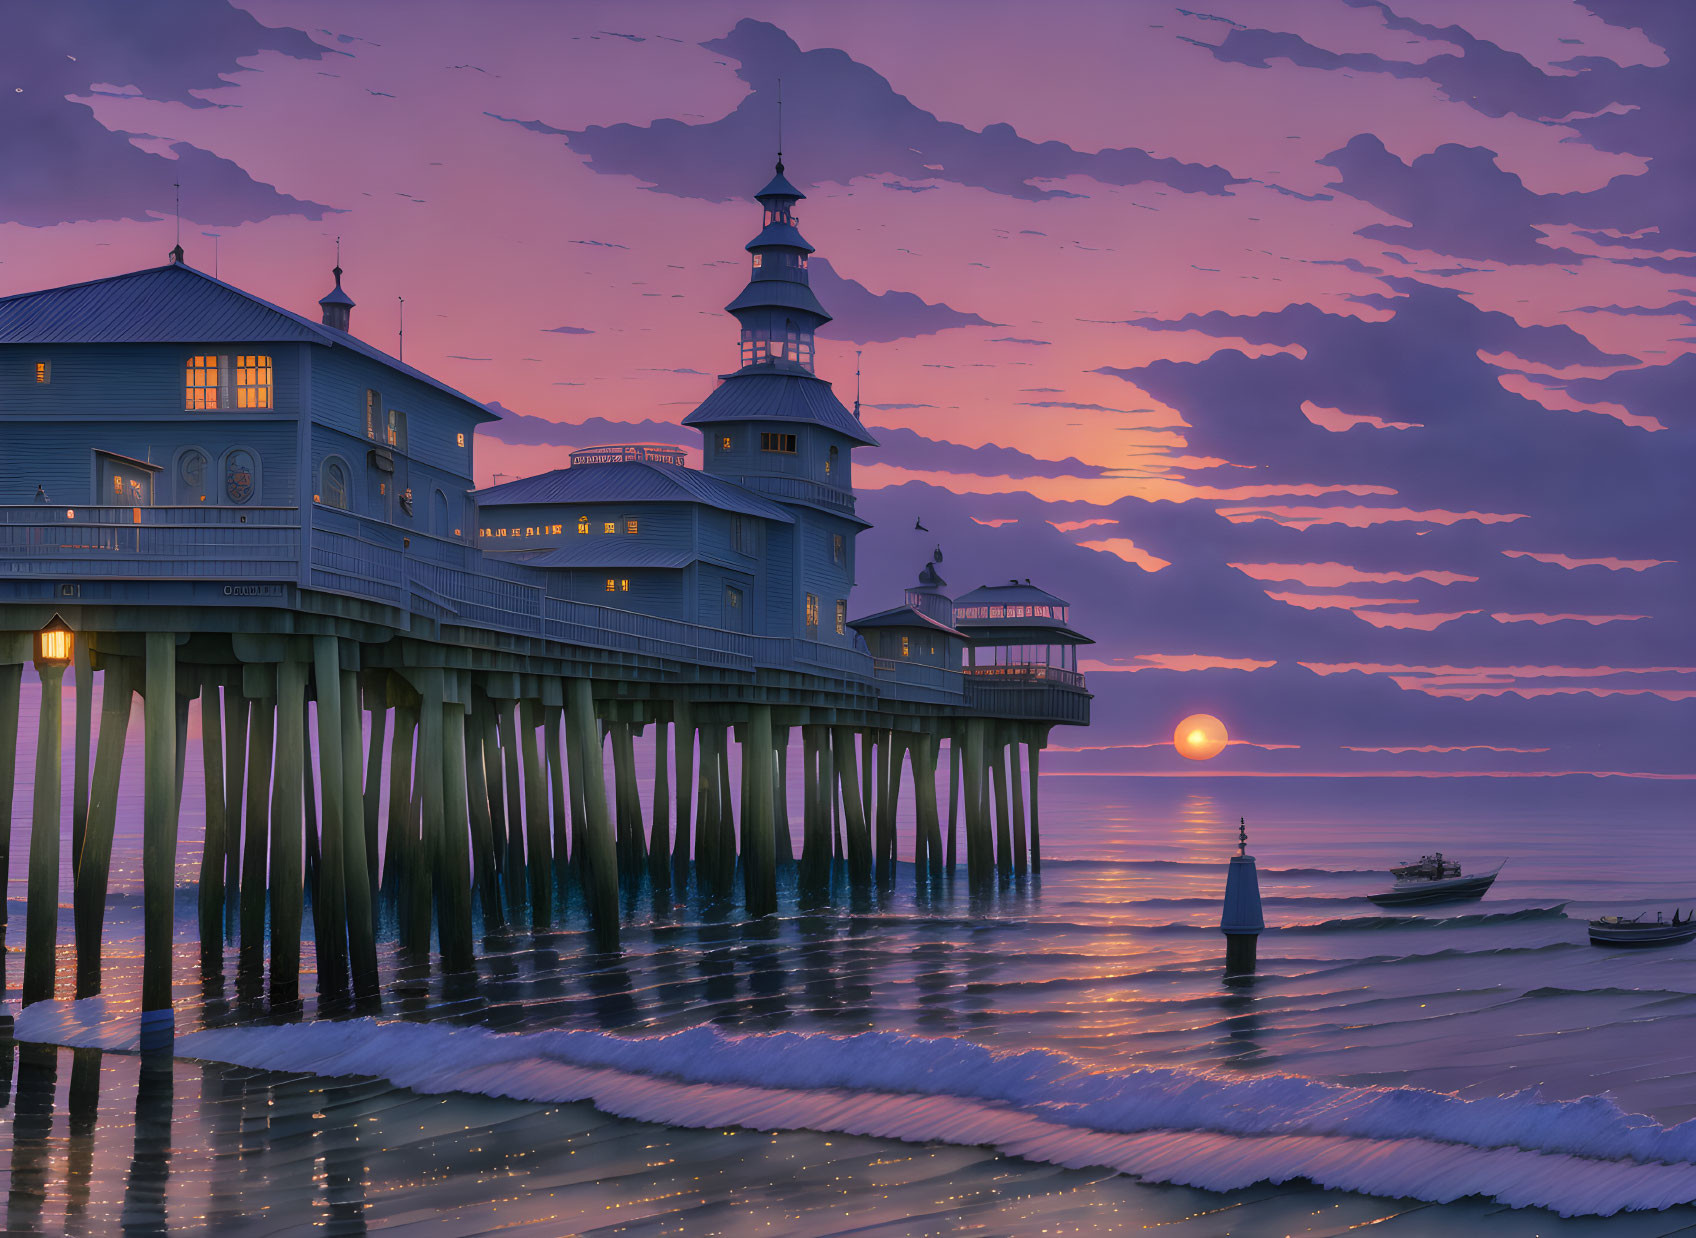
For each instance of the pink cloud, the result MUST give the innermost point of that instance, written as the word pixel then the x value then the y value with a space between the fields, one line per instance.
pixel 1336 420
pixel 1341 601
pixel 1541 618
pixel 1405 619
pixel 1129 551
pixel 1334 575
pixel 1072 526
pixel 1177 662
pixel 1612 564
pixel 997 522
pixel 1360 517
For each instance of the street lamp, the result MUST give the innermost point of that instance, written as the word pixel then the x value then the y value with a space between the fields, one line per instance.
pixel 54 645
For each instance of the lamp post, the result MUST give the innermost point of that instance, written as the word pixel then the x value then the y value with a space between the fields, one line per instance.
pixel 54 645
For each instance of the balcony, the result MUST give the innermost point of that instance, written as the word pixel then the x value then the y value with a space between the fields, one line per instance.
pixel 150 543
pixel 1013 673
pixel 801 490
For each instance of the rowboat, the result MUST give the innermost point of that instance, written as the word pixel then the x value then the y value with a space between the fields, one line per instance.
pixel 1636 931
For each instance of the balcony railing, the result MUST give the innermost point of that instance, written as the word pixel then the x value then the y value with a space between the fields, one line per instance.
pixel 1027 672
pixel 801 489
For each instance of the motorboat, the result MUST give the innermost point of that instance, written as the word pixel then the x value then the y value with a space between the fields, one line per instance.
pixel 1639 931
pixel 1433 879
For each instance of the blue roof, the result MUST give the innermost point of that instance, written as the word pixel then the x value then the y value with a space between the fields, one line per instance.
pixel 336 296
pixel 177 304
pixel 1013 593
pixel 786 235
pixel 905 617
pixel 779 187
pixel 781 294
pixel 779 397
pixel 633 481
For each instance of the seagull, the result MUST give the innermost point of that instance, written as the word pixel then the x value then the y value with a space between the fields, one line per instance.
pixel 919 526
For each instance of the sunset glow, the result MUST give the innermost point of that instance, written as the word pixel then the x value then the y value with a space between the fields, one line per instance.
pixel 1200 737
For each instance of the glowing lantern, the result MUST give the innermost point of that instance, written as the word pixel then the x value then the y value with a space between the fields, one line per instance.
pixel 53 644
pixel 1200 737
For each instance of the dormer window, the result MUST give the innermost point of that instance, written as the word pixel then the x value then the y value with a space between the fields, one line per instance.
pixel 778 442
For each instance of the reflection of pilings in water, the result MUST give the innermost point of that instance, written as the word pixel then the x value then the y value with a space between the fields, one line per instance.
pixel 210 896
pixel 79 1149
pixel 32 1126
pixel 159 838
pixel 41 922
pixel 11 694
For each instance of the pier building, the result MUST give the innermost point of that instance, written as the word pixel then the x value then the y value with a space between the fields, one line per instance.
pixel 407 687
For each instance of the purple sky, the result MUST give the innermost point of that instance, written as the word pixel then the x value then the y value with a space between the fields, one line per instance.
pixel 1331 356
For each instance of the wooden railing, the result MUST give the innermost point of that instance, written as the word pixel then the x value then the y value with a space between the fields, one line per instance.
pixel 454 583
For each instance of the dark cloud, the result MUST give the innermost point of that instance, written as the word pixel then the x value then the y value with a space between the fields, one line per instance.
pixel 569 330
pixel 528 430
pixel 909 449
pixel 59 164
pixel 868 317
pixel 843 120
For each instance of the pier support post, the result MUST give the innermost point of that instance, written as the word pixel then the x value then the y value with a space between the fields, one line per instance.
pixel 980 854
pixel 1038 740
pixel 953 798
pixel 627 812
pixel 378 711
pixel 554 758
pixel 397 847
pixel 41 922
pixel 260 685
pixel 235 774
pixel 706 813
pixel 331 901
pixel 539 860
pixel 11 699
pixel 159 841
pixel 1016 781
pixel 210 896
pixel 356 853
pixel 815 812
pixel 853 807
pixel 780 799
pixel 286 825
pixel 884 820
pixel 95 863
pixel 453 917
pixel 483 855
pixel 506 727
pixel 659 830
pixel 600 867
pixel 683 769
pixel 82 663
pixel 1003 826
pixel 725 856
pixel 927 825
pixel 759 867
pixel 427 848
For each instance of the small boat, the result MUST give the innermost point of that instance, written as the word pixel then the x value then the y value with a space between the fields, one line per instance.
pixel 1636 931
pixel 1433 880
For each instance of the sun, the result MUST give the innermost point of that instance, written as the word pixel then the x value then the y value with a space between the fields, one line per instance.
pixel 1200 737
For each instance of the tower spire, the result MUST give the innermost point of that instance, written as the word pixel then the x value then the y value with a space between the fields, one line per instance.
pixel 780 126
pixel 336 304
pixel 857 354
pixel 177 249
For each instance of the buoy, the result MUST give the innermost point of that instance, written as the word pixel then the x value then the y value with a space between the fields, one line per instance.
pixel 1241 920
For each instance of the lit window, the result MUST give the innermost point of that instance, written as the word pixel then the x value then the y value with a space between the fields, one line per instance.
pixel 373 414
pixel 396 431
pixel 612 585
pixel 200 383
pixel 724 442
pixel 812 616
pixel 624 585
pixel 630 526
pixel 803 262
pixel 778 442
pixel 733 608
pixel 44 370
pixel 756 262
pixel 582 524
pixel 253 382
pixel 906 647
pixel 609 527
pixel 838 548
pixel 830 461
pixel 841 617
pixel 462 440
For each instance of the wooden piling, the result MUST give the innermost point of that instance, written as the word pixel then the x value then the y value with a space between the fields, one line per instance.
pixel 373 817
pixel 82 666
pixel 1035 747
pixel 953 798
pixel 41 923
pixel 235 776
pixel 780 799
pixel 506 728
pixel 683 746
pixel 659 836
pixel 332 854
pixel 759 863
pixel 431 843
pixel 286 894
pixel 159 838
pixel 600 869
pixel 483 864
pixel 727 817
pixel 400 827
pixel 95 863
pixel 890 761
pixel 539 859
pixel 1003 826
pixel 256 843
pixel 210 896
pixel 815 814
pixel 627 813
pixel 356 854
pixel 1016 782
pixel 11 700
pixel 853 807
pixel 926 825
pixel 980 855
pixel 554 759
pixel 453 919
pixel 706 814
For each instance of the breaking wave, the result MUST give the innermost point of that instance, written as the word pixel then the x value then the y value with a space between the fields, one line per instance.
pixel 1585 1156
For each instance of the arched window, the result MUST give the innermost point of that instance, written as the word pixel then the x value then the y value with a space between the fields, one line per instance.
pixel 189 477
pixel 582 524
pixel 439 514
pixel 241 475
pixel 333 488
pixel 373 414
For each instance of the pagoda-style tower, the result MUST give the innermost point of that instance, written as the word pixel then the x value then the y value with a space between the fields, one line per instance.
pixel 775 427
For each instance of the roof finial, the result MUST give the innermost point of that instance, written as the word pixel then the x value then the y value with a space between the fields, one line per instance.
pixel 1242 835
pixel 780 126
pixel 857 353
pixel 337 270
pixel 177 249
pixel 400 331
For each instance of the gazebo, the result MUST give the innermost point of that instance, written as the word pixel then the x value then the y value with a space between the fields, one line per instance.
pixel 1018 633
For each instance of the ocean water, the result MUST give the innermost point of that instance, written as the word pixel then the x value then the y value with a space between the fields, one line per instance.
pixel 1060 1054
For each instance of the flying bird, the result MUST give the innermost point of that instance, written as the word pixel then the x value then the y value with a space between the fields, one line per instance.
pixel 919 526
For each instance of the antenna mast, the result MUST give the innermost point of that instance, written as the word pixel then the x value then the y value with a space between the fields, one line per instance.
pixel 780 124
pixel 400 334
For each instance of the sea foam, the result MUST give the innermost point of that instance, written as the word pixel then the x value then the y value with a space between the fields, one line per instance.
pixel 1205 1130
